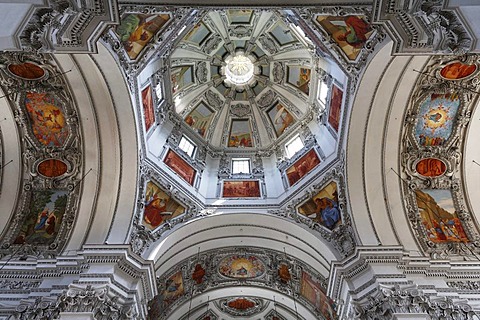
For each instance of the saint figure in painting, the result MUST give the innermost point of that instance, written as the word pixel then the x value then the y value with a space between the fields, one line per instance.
pixel 327 212
pixel 42 219
pixel 155 210
pixel 50 228
pixel 355 31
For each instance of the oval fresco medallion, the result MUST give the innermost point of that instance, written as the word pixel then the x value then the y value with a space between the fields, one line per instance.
pixel 27 71
pixel 47 119
pixel 241 304
pixel 52 168
pixel 431 167
pixel 457 70
pixel 241 267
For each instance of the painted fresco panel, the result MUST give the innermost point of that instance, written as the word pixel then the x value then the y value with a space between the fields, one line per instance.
pixel 174 289
pixel 47 119
pixel 240 134
pixel 242 267
pixel 302 166
pixel 457 70
pixel 313 292
pixel 241 189
pixel 200 118
pixel 439 217
pixel 43 220
pixel 299 77
pixel 180 166
pixel 436 119
pixel 198 34
pixel 236 16
pixel 159 207
pixel 181 77
pixel 335 107
pixel 147 102
pixel 282 35
pixel 280 118
pixel 349 32
pixel 136 31
pixel 27 71
pixel 323 207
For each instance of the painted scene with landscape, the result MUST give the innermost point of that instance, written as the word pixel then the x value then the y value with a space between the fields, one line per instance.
pixel 439 216
pixel 44 217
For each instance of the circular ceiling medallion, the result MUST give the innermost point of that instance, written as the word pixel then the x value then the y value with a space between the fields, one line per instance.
pixel 27 71
pixel 239 68
pixel 242 267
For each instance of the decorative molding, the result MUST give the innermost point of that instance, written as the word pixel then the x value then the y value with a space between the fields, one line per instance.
pixel 210 262
pixel 267 44
pixel 212 44
pixel 424 27
pixel 408 299
pixel 11 284
pixel 96 300
pixel 52 86
pixel 430 82
pixel 67 26
pixel 267 99
pixel 201 72
pixel 278 72
pixel 240 110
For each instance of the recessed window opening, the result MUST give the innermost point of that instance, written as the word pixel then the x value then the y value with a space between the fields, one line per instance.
pixel 240 165
pixel 187 146
pixel 293 146
pixel 159 92
pixel 323 92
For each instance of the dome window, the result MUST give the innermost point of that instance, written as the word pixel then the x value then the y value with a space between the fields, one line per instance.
pixel 240 165
pixel 293 146
pixel 186 146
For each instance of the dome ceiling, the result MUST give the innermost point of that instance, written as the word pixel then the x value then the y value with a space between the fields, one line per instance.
pixel 242 78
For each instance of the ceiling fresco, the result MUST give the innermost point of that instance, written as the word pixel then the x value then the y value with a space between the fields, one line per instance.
pixel 440 110
pixel 212 270
pixel 232 52
pixel 52 149
pixel 354 198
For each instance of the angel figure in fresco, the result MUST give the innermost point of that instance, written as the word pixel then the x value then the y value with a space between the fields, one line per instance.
pixel 354 32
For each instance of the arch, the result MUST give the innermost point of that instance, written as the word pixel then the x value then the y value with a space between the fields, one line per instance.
pixel 373 149
pixel 108 127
